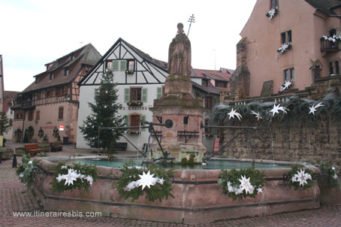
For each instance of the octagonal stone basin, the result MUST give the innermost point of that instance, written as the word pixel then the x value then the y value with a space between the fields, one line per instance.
pixel 197 196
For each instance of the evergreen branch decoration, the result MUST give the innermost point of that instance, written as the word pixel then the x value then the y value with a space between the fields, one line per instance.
pixel 239 184
pixel 291 107
pixel 27 170
pixel 300 177
pixel 73 177
pixel 153 182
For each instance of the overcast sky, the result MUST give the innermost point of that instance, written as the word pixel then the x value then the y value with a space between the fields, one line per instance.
pixel 36 32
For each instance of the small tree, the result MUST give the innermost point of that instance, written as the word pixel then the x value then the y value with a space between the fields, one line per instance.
pixel 100 128
pixel 4 123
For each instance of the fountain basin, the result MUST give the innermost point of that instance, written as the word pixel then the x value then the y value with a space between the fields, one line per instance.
pixel 197 197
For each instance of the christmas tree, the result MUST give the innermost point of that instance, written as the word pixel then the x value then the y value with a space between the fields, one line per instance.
pixel 102 128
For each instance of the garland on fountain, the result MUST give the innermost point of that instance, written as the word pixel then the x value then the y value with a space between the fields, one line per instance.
pixel 73 177
pixel 300 177
pixel 152 181
pixel 27 170
pixel 329 175
pixel 294 107
pixel 242 183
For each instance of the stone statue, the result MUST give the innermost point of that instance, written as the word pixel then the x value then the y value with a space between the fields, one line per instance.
pixel 179 55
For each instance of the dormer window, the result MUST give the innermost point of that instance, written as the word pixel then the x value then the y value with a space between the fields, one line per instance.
pixel 51 76
pixel 119 65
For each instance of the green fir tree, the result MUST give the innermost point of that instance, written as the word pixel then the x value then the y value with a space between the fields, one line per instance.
pixel 4 123
pixel 100 127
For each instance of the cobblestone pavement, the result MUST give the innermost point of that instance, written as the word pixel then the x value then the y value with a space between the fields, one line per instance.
pixel 14 197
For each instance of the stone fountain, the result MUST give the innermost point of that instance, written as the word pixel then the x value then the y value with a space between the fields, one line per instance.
pixel 178 107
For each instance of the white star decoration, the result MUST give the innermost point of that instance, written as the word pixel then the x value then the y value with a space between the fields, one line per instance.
pixel 276 109
pixel 232 114
pixel 313 108
pixel 71 176
pixel 271 13
pixel 147 180
pixel 257 115
pixel 301 177
pixel 285 86
pixel 246 185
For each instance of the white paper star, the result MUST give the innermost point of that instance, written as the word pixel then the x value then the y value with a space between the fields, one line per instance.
pixel 70 177
pixel 132 185
pixel 232 114
pixel 146 180
pixel 301 177
pixel 271 13
pixel 276 109
pixel 89 179
pixel 257 115
pixel 285 86
pixel 313 108
pixel 246 185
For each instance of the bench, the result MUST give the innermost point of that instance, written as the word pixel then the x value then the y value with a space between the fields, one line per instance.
pixel 33 149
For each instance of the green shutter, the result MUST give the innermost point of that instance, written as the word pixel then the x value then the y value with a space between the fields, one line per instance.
pixel 142 119
pixel 123 65
pixel 115 65
pixel 126 95
pixel 144 94
pixel 159 92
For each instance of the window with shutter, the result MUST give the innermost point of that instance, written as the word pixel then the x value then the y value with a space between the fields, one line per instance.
pixel 123 65
pixel 142 120
pixel 115 65
pixel 135 98
pixel 134 124
pixel 159 92
pixel 126 95
pixel 144 94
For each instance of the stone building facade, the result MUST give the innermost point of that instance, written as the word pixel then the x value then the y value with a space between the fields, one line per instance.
pixel 302 45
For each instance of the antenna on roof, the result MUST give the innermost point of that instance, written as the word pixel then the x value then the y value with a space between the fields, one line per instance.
pixel 190 20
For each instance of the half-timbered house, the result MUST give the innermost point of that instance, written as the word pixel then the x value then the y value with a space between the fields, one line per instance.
pixel 139 79
pixel 50 103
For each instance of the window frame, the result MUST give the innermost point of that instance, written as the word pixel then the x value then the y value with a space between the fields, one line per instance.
pixel 286 37
pixel 291 74
pixel 60 113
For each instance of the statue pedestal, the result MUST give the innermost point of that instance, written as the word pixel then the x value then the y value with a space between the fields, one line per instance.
pixel 178 105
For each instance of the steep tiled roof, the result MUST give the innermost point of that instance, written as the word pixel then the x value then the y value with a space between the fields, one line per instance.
pixel 86 55
pixel 326 6
pixel 222 74
pixel 209 90
pixel 8 97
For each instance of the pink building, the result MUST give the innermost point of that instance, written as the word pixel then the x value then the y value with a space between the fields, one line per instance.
pixel 287 41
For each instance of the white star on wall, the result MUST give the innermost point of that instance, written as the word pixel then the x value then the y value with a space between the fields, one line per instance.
pixel 276 109
pixel 257 115
pixel 286 85
pixel 313 108
pixel 232 114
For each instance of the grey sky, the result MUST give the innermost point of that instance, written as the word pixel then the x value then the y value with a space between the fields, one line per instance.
pixel 35 32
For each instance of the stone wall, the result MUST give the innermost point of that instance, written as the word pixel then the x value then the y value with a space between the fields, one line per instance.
pixel 293 139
